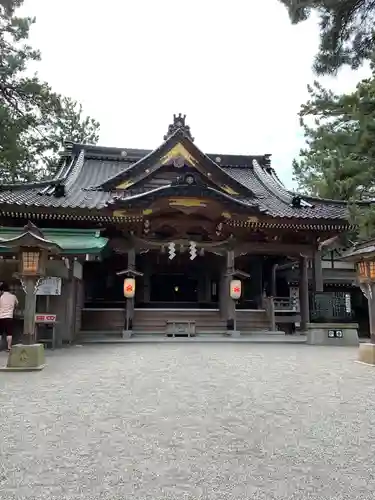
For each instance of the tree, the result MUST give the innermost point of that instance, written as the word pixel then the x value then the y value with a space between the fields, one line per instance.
pixel 34 120
pixel 339 160
pixel 346 30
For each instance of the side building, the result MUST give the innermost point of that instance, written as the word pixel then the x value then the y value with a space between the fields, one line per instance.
pixel 184 223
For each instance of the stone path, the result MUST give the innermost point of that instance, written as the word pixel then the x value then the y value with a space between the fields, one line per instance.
pixel 190 421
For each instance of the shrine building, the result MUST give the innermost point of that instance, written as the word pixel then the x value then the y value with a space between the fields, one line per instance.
pixel 183 224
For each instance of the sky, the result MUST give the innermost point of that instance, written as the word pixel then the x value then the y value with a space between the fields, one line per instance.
pixel 238 69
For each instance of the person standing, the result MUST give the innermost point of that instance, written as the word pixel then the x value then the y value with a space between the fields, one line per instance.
pixel 8 303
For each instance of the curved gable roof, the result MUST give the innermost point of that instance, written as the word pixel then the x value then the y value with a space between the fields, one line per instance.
pixel 90 175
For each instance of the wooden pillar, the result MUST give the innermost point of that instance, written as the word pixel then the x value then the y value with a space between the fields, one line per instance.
pixel 129 314
pixel 80 302
pixel 273 280
pixel 202 286
pixel 368 290
pixel 317 271
pixel 146 280
pixel 271 312
pixel 71 285
pixel 222 283
pixel 304 292
pixel 230 305
pixel 208 288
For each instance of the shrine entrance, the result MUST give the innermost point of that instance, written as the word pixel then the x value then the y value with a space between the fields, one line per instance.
pixel 174 287
pixel 179 282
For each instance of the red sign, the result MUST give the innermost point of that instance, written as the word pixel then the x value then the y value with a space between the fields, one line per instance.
pixel 45 318
pixel 129 288
pixel 237 289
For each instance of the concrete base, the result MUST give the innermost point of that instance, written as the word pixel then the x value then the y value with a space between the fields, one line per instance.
pixel 25 358
pixel 234 333
pixel 366 353
pixel 127 334
pixel 319 334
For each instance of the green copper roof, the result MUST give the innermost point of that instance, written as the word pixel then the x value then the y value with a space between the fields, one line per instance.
pixel 72 241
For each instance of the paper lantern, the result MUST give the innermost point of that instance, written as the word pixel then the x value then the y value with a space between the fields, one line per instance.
pixel 366 270
pixel 235 289
pixel 129 288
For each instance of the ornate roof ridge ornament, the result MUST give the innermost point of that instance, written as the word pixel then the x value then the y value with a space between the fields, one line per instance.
pixel 179 124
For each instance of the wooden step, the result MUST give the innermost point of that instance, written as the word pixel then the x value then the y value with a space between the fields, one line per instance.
pixel 103 320
pixel 252 321
pixel 154 320
pixel 151 320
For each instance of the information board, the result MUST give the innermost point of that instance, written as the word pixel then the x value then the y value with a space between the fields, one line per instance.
pixel 49 286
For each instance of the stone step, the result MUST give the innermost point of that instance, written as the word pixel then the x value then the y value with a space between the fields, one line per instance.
pixel 256 337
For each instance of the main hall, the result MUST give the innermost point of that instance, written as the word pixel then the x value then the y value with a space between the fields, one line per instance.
pixel 183 224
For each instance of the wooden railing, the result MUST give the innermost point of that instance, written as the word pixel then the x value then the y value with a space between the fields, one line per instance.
pixel 277 305
pixel 282 303
pixel 286 304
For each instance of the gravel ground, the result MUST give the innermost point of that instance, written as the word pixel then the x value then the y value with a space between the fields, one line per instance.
pixel 184 421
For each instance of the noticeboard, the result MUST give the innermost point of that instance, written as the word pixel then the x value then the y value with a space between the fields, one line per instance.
pixel 49 286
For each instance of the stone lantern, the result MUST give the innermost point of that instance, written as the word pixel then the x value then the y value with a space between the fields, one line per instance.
pixel 363 255
pixel 32 249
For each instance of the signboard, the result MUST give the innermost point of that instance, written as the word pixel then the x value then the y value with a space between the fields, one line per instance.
pixel 335 334
pixel 49 286
pixel 45 318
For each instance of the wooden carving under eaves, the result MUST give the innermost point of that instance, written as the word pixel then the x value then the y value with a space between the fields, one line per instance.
pixel 178 152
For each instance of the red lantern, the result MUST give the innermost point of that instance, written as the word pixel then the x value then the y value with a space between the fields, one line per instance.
pixel 235 289
pixel 129 288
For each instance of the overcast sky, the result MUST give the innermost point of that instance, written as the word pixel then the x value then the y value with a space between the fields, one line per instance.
pixel 237 69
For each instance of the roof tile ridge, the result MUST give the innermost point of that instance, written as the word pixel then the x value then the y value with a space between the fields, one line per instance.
pixel 75 171
pixel 337 202
pixel 26 185
pixel 60 175
pixel 276 183
pixel 45 183
pixel 259 170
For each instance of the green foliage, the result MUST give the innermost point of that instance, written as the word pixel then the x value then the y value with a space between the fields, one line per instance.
pixel 339 159
pixel 346 30
pixel 34 120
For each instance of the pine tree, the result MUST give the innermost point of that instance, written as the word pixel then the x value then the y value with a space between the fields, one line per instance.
pixel 34 120
pixel 346 30
pixel 339 159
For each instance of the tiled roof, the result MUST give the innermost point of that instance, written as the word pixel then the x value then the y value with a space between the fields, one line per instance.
pixel 90 173
pixel 84 167
pixel 276 200
pixel 68 240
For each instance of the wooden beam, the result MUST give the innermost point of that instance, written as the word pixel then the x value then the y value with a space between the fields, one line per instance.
pixel 274 248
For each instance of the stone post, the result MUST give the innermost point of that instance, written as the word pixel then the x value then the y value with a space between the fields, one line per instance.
pixel 29 330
